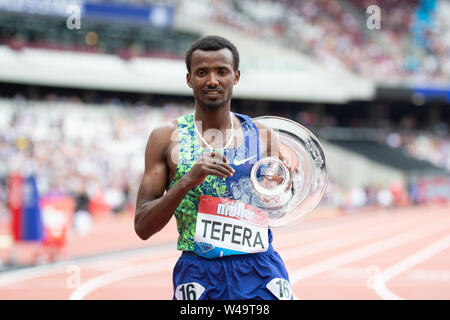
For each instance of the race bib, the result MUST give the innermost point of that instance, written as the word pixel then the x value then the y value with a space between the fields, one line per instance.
pixel 189 291
pixel 228 228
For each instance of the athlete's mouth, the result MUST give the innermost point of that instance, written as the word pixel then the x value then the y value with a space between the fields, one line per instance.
pixel 212 92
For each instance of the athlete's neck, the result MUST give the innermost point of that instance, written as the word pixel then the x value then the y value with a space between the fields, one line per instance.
pixel 213 118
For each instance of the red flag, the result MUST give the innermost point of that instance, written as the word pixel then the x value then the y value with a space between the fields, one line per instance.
pixel 15 204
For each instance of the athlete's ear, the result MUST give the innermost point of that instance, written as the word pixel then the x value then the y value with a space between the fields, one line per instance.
pixel 237 76
pixel 188 79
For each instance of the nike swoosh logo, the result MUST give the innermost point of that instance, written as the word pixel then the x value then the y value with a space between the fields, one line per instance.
pixel 237 162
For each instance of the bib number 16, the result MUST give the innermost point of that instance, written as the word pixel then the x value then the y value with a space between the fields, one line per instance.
pixel 189 291
pixel 280 288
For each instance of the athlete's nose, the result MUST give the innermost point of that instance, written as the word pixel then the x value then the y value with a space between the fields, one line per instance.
pixel 212 81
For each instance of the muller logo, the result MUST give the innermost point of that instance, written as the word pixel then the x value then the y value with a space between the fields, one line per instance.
pixel 235 210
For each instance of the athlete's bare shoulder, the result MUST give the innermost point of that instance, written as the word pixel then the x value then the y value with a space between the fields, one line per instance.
pixel 162 134
pixel 162 138
pixel 164 130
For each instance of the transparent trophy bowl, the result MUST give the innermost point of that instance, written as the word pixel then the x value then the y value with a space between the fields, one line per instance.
pixel 287 186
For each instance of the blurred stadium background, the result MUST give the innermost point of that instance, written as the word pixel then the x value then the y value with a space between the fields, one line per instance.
pixel 78 102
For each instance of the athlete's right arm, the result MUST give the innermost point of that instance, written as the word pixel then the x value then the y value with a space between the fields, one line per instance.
pixel 154 206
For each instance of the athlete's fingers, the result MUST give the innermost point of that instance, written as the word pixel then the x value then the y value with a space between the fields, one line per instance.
pixel 291 174
pixel 217 171
pixel 224 168
pixel 218 159
pixel 206 161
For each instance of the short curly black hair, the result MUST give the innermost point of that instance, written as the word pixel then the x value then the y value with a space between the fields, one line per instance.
pixel 212 43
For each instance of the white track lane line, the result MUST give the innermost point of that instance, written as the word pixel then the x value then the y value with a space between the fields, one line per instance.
pixel 345 224
pixel 11 277
pixel 119 275
pixel 369 250
pixel 380 280
pixel 29 273
pixel 318 233
pixel 142 269
pixel 338 240
pixel 45 270
pixel 122 274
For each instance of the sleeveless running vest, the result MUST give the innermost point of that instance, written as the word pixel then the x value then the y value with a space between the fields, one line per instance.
pixel 190 150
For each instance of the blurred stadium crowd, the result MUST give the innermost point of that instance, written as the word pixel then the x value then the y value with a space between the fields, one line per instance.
pixel 92 152
pixel 95 153
pixel 413 47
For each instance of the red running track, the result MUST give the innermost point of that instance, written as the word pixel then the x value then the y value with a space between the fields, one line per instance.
pixel 384 254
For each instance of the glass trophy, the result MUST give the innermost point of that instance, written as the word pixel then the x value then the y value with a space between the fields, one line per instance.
pixel 283 174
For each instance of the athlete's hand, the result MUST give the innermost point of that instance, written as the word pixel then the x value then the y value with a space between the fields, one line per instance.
pixel 292 172
pixel 272 176
pixel 210 163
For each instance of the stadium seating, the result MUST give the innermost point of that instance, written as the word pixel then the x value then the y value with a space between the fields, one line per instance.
pixel 100 148
pixel 335 33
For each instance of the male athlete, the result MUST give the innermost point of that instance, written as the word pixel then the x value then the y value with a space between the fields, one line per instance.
pixel 189 162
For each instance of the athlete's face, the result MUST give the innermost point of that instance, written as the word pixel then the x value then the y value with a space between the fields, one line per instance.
pixel 212 77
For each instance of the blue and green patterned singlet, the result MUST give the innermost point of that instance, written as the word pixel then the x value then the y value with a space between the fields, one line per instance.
pixel 190 150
